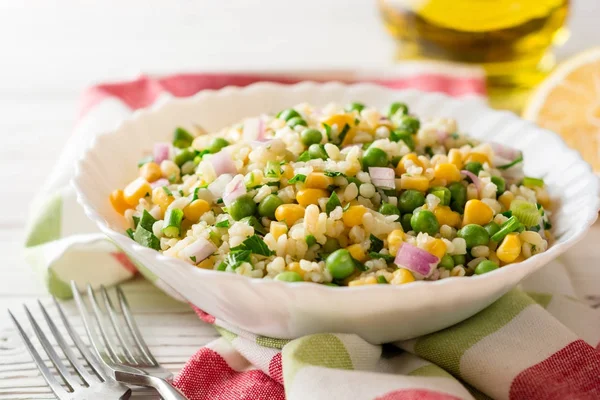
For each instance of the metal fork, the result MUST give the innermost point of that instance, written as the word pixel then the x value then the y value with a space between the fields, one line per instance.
pixel 98 386
pixel 129 361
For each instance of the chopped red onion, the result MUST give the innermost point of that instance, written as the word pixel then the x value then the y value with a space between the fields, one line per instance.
pixel 234 189
pixel 506 152
pixel 162 152
pixel 200 250
pixel 442 135
pixel 382 177
pixel 223 163
pixel 258 143
pixel 474 178
pixel 159 183
pixel 217 187
pixel 416 259
pixel 254 129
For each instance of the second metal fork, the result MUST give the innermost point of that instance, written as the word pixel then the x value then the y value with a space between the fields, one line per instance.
pixel 128 357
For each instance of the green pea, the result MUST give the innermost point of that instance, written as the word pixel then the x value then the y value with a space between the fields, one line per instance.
pixel 331 245
pixel 397 107
pixel 442 193
pixel 407 123
pixel 474 235
pixel 289 276
pixel 474 167
pixel 500 184
pixel 374 157
pixel 410 199
pixel 185 156
pixel 405 221
pixel 406 137
pixel 292 122
pixel 288 114
pixel 388 209
pixel 354 106
pixel 446 262
pixel 340 264
pixel 366 145
pixel 317 151
pixel 492 228
pixel 217 144
pixel 311 136
pixel 242 207
pixel 425 221
pixel 459 259
pixel 267 206
pixel 458 195
pixel 485 266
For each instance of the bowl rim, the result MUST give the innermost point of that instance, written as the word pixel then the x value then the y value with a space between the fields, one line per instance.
pixel 523 268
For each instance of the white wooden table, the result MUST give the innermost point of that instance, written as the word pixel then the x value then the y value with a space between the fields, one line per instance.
pixel 49 51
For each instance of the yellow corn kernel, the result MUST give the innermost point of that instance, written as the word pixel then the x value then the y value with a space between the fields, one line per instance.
pixel 402 276
pixel 289 213
pixel 150 172
pixel 510 248
pixel 306 197
pixel 357 252
pixel 394 240
pixel 277 229
pixel 446 216
pixel 206 264
pixel 437 182
pixel 161 198
pixel 414 182
pixel 437 247
pixel 542 196
pixel 288 171
pixel 477 212
pixel 341 120
pixel 353 215
pixel 136 190
pixel 455 157
pixel 295 267
pixel 505 199
pixel 318 180
pixel 447 171
pixel 401 167
pixel 118 201
pixel 195 209
pixel 357 282
pixel 371 280
pixel 477 157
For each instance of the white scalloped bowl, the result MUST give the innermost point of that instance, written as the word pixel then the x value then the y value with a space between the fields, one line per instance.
pixel 378 313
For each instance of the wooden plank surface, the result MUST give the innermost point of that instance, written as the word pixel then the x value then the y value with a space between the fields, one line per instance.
pixel 52 50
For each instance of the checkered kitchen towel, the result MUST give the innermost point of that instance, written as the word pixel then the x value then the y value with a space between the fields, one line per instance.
pixel 538 345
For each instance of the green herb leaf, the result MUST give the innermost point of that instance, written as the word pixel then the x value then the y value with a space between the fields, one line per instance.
pixel 181 193
pixel 310 240
pixel 182 138
pixel 255 245
pixel 343 133
pixel 129 232
pixel 429 151
pixel 297 178
pixel 223 224
pixel 515 162
pixel 346 207
pixel 327 131
pixel 235 258
pixel 136 221
pixel 146 238
pixel 193 258
pixel 381 279
pixel 255 223
pixel 454 135
pixel 195 196
pixel 376 244
pixel 388 258
pixel 333 174
pixel 360 266
pixel 332 203
pixel 146 221
pixel 303 157
pixel 167 191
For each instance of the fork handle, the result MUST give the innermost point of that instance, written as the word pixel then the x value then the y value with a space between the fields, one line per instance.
pixel 167 390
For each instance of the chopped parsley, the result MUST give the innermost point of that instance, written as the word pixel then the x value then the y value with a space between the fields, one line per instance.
pixel 220 200
pixel 129 232
pixel 223 224
pixel 303 157
pixel 343 133
pixel 167 191
pixel 222 266
pixel 381 279
pixel 136 221
pixel 327 131
pixel 255 245
pixel 454 135
pixel 146 221
pixel 297 178
pixel 255 223
pixel 360 266
pixel 235 258
pixel 376 244
pixel 356 121
pixel 332 203
pixel 333 174
pixel 181 193
pixel 195 197
pixel 388 258
pixel 193 258
pixel 429 151
pixel 547 225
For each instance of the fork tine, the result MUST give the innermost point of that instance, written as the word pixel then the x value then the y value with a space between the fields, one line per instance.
pixel 73 360
pixel 58 364
pixel 83 349
pixel 117 327
pixel 57 389
pixel 99 320
pixel 133 328
pixel 97 344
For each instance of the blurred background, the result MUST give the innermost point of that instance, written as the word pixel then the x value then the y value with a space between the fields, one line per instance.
pixel 52 50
